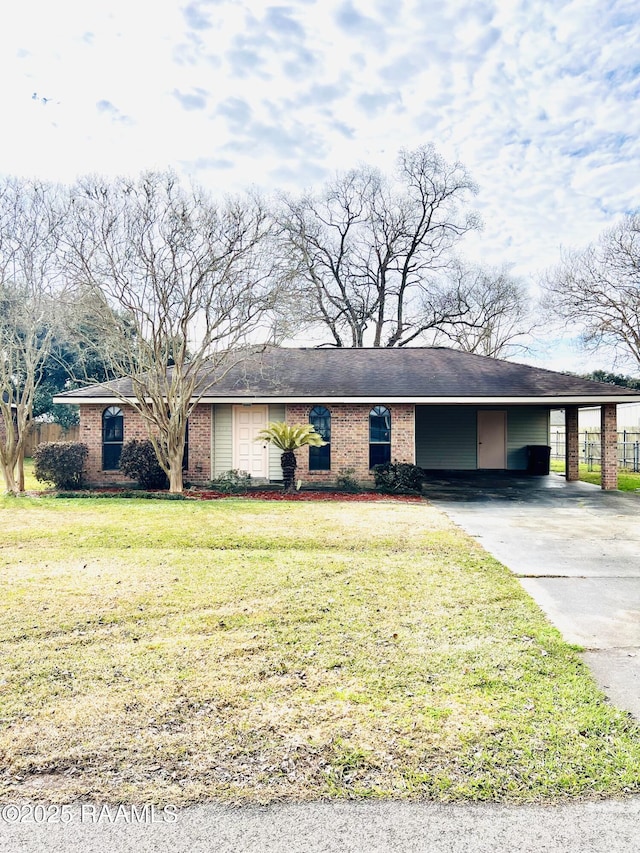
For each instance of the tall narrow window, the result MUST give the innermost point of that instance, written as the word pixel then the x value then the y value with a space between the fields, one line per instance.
pixel 379 436
pixel 112 438
pixel 185 455
pixel 320 457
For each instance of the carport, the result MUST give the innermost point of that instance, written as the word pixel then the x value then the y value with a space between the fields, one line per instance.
pixel 482 414
pixel 496 435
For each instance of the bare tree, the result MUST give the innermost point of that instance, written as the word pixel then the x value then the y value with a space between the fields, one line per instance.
pixel 359 256
pixel 178 284
pixel 489 312
pixel 31 220
pixel 597 290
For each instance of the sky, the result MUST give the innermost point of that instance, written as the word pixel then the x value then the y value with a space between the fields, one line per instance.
pixel 540 101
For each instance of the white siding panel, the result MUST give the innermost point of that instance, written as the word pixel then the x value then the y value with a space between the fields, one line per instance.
pixel 222 439
pixel 446 437
pixel 276 413
pixel 525 425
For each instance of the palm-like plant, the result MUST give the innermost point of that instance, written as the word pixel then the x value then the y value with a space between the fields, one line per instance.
pixel 288 438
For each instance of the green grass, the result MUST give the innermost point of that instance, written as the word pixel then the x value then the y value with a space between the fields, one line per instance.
pixel 252 651
pixel 628 481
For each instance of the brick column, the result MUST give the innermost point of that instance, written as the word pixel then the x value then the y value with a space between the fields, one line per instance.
pixel 572 448
pixel 609 446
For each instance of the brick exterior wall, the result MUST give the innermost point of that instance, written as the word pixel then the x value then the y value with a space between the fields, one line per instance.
pixel 609 446
pixel 350 439
pixel 572 449
pixel 199 470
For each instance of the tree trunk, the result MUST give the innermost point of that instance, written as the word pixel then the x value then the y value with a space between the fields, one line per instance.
pixel 9 477
pixel 175 476
pixel 289 464
pixel 21 469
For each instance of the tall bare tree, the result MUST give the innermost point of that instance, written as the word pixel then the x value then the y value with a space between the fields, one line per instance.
pixel 178 285
pixel 32 216
pixel 359 256
pixel 489 312
pixel 597 290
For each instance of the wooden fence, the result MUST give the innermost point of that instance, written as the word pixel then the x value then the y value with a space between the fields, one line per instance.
pixel 41 432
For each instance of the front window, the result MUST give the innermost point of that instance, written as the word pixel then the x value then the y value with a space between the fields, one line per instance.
pixel 185 455
pixel 112 438
pixel 379 436
pixel 320 457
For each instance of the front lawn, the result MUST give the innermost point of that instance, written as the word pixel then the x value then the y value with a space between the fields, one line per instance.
pixel 248 651
pixel 30 482
pixel 628 481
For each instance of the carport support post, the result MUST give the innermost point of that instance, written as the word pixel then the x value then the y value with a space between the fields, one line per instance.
pixel 572 449
pixel 609 446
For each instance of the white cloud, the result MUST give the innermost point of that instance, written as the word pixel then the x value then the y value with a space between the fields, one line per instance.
pixel 537 99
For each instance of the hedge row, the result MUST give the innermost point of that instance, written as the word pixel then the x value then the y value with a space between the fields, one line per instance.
pixel 62 464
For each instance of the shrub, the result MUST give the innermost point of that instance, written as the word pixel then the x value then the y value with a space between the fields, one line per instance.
pixel 60 463
pixel 126 493
pixel 232 482
pixel 400 477
pixel 138 460
pixel 346 482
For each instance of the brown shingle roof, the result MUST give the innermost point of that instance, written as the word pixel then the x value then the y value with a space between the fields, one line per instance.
pixel 381 374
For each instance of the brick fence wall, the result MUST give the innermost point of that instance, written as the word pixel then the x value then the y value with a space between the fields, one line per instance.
pixel 350 439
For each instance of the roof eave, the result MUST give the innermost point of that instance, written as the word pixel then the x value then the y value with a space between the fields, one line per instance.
pixel 554 400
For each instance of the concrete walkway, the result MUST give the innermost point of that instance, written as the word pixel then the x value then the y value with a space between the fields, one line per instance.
pixel 576 550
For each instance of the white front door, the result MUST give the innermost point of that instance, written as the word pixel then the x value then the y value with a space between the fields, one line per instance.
pixel 250 455
pixel 492 439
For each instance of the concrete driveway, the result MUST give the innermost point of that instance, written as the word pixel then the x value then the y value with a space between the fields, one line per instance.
pixel 575 549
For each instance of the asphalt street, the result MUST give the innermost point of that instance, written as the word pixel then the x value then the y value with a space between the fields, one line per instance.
pixel 343 827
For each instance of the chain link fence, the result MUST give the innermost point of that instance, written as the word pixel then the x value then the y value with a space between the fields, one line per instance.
pixel 589 443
